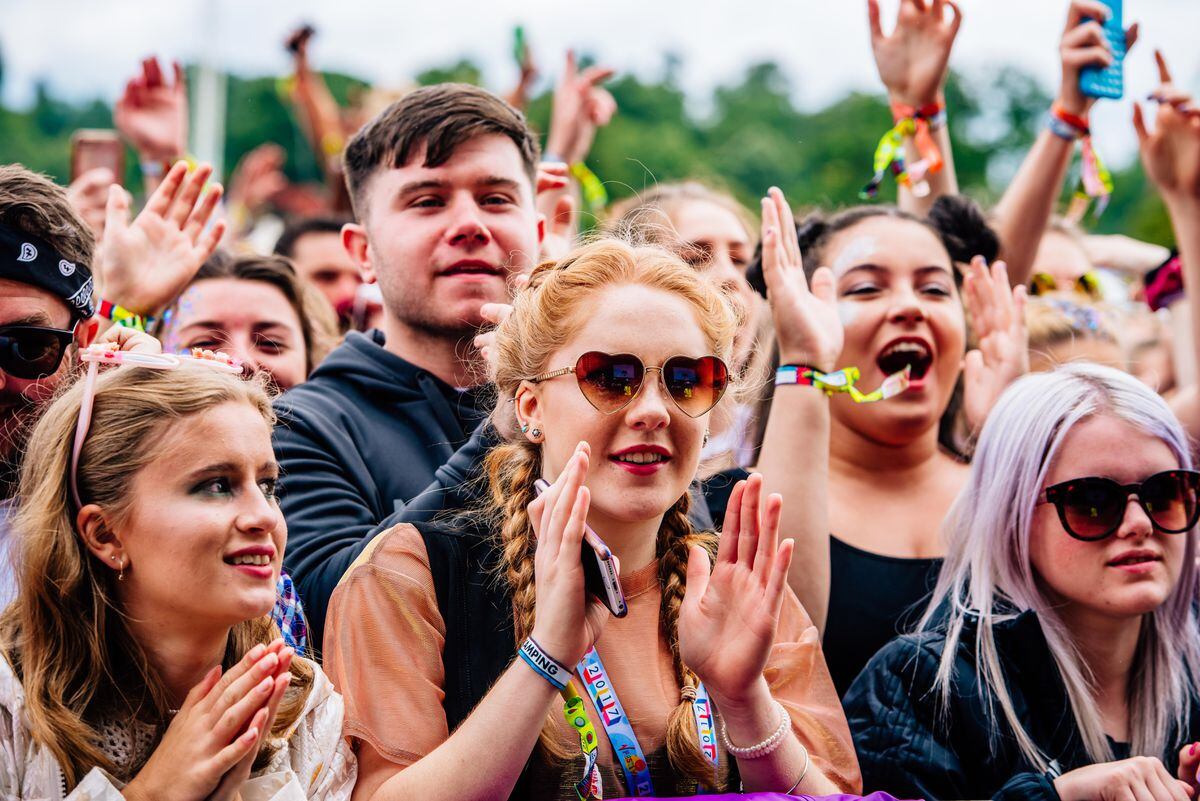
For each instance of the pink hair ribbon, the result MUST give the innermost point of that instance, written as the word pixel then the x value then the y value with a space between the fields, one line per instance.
pixel 108 353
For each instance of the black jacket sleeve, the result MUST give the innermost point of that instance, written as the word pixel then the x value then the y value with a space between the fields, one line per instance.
pixel 333 507
pixel 895 717
pixel 912 744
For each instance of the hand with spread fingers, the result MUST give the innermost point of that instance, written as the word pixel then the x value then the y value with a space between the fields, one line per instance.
pixel 1171 151
pixel 581 107
pixel 728 620
pixel 1084 44
pixel 568 621
pixel 153 115
pixel 207 750
pixel 914 58
pixel 807 325
pixel 997 313
pixel 144 266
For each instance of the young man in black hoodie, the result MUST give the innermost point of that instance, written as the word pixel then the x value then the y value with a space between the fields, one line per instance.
pixel 443 185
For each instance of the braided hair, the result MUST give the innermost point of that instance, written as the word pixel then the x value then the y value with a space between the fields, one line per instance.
pixel 545 316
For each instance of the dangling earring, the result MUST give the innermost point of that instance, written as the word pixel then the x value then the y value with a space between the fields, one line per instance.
pixel 121 571
pixel 705 443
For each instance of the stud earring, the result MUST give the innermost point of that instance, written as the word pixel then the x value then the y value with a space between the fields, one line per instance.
pixel 536 434
pixel 524 428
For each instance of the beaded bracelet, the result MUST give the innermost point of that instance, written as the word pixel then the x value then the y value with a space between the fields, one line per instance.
pixel 767 746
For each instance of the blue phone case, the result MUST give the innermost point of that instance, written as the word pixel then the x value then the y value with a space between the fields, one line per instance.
pixel 1110 81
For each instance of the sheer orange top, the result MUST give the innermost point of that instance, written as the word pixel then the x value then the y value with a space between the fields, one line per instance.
pixel 383 651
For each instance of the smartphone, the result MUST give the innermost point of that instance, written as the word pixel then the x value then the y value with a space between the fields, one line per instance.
pixel 599 568
pixel 1108 82
pixel 92 148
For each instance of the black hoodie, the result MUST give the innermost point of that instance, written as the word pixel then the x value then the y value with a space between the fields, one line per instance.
pixel 356 443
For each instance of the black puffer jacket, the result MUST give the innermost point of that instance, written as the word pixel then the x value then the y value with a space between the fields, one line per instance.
pixel 911 745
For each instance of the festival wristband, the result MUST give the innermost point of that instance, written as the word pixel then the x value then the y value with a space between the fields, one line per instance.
pixel 842 381
pixel 589 786
pixel 124 317
pixel 913 123
pixel 1095 180
pixel 545 665
pixel 594 193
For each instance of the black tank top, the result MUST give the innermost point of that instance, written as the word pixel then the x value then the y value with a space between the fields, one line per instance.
pixel 872 597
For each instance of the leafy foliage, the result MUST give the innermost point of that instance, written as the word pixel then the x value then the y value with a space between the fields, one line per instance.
pixel 753 137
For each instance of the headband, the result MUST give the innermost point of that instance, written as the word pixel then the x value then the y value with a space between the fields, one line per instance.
pixel 29 260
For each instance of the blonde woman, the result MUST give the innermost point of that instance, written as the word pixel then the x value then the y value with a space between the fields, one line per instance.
pixel 607 371
pixel 140 661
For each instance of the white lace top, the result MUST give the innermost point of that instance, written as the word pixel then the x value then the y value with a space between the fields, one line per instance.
pixel 313 762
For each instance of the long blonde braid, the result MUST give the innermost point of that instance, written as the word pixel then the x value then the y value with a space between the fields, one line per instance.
pixel 675 540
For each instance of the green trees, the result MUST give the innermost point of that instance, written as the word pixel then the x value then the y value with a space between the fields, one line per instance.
pixel 751 137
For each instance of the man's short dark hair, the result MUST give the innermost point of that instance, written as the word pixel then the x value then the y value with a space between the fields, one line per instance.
pixel 440 118
pixel 296 230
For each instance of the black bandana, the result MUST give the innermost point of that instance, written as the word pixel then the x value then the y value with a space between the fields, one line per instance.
pixel 31 260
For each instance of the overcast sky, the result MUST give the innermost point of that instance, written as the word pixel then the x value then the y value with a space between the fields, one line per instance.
pixel 87 49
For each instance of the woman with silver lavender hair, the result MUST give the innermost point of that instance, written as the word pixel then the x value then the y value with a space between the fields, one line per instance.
pixel 1059 656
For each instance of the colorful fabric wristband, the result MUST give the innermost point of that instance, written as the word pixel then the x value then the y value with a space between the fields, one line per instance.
pixel 841 381
pixel 123 317
pixel 1164 284
pixel 544 665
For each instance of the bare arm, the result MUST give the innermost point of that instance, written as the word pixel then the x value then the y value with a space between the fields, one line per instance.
pixel 795 454
pixel 913 61
pixel 484 756
pixel 1171 156
pixel 1024 211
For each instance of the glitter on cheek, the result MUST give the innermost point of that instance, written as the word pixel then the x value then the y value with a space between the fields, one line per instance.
pixel 183 310
pixel 848 312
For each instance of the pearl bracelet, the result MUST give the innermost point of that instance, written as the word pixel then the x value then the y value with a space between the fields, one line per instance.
pixel 767 746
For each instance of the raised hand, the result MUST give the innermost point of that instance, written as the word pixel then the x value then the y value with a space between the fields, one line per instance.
pixel 218 730
pixel 1171 152
pixel 144 266
pixel 998 320
pixel 807 325
pixel 257 178
pixel 728 619
pixel 87 194
pixel 581 106
pixel 556 203
pixel 153 115
pixel 1084 44
pixel 567 622
pixel 913 59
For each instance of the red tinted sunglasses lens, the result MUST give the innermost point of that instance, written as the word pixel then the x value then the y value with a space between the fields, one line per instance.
pixel 1092 508
pixel 1170 500
pixel 696 385
pixel 609 381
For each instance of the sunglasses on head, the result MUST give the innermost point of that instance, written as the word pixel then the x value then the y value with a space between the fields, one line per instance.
pixel 30 351
pixel 1093 508
pixel 1086 284
pixel 610 381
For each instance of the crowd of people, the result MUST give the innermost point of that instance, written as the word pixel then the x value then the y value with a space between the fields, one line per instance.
pixel 414 488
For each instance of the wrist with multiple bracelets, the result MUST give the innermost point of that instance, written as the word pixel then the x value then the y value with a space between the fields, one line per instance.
pixel 124 317
pixel 1065 125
